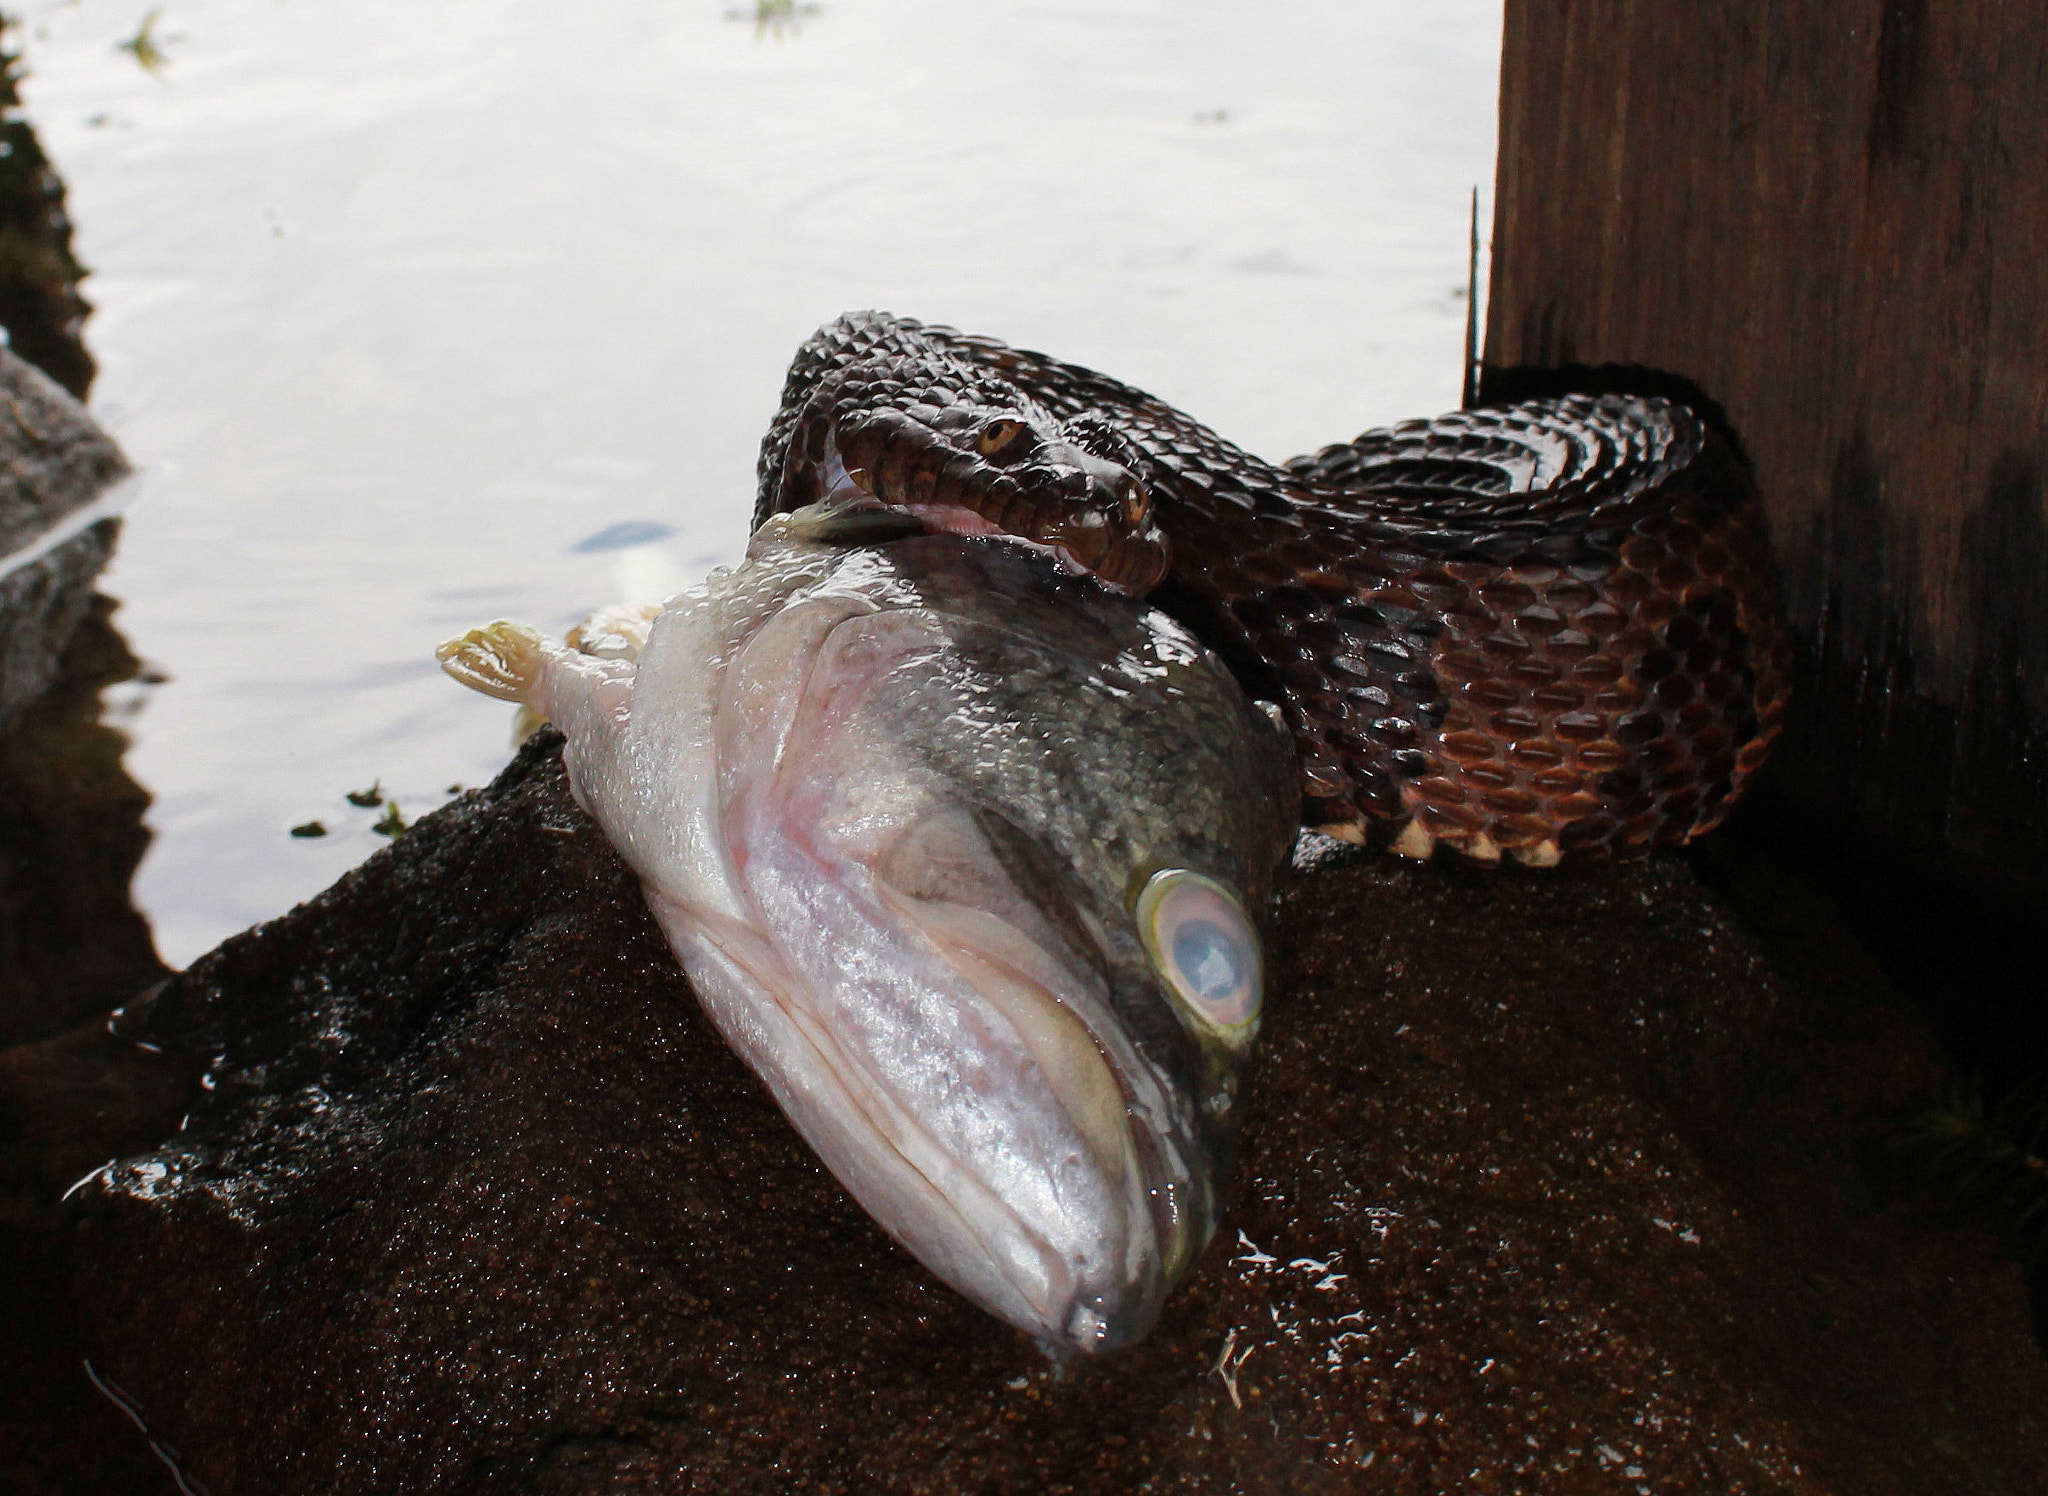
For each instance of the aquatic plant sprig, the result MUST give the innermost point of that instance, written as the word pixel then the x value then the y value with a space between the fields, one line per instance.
pixel 775 18
pixel 391 820
pixel 146 46
pixel 1986 1163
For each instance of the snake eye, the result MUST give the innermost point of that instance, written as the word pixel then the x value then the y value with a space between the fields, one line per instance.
pixel 997 435
pixel 1205 951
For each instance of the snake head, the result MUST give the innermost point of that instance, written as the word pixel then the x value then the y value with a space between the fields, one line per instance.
pixel 1093 511
pixel 998 468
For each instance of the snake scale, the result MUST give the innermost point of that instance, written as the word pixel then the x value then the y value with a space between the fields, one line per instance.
pixel 1547 631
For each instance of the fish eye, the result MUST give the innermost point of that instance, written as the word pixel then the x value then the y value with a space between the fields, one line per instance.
pixel 997 435
pixel 1205 950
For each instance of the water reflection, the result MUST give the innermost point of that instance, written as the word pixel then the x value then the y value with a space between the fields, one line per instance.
pixel 70 836
pixel 400 301
pixel 40 305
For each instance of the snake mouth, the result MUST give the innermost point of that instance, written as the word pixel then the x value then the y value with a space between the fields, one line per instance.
pixel 1106 533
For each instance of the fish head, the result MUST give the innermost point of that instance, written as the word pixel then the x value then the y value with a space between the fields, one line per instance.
pixel 979 893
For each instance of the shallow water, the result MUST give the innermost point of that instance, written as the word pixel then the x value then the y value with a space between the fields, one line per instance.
pixel 419 315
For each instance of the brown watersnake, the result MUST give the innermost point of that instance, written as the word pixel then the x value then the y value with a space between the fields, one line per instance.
pixel 1546 630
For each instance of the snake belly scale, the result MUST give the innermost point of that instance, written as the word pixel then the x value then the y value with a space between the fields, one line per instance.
pixel 1547 630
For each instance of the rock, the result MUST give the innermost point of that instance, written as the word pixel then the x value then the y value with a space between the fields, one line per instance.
pixel 54 463
pixel 67 1103
pixel 1549 1185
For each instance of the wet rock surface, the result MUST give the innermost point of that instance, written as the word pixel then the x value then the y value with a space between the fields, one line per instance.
pixel 54 461
pixel 42 603
pixel 1548 1186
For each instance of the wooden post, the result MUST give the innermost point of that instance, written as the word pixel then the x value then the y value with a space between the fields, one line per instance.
pixel 1830 219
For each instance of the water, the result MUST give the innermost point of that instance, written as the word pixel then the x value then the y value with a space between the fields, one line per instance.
pixel 419 315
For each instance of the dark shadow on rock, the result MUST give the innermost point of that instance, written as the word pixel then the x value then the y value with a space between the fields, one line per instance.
pixel 1549 1185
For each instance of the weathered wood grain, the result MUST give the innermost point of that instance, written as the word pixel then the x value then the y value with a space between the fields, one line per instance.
pixel 1829 216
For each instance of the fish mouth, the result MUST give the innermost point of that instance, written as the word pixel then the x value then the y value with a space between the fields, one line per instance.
pixel 986 1120
pixel 1099 1272
pixel 930 1024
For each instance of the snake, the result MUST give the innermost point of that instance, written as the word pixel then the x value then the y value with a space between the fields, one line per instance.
pixel 1545 631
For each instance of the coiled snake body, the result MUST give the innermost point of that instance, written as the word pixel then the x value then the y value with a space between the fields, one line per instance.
pixel 1546 630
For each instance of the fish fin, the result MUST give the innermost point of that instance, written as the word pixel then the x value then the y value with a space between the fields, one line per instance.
pixel 617 631
pixel 501 659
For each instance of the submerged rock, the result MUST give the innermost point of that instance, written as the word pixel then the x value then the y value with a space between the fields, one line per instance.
pixel 1548 1186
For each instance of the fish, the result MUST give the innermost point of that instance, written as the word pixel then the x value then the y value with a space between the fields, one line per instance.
pixel 970 859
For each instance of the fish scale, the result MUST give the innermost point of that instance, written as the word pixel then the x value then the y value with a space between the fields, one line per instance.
pixel 1067 743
